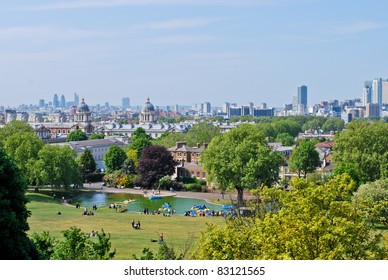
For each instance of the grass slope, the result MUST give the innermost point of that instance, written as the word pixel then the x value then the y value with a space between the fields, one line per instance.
pixel 176 229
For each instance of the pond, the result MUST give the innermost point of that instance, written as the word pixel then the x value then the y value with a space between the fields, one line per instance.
pixel 181 205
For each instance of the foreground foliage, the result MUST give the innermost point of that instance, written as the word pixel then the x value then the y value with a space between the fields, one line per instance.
pixel 77 245
pixel 309 222
pixel 14 242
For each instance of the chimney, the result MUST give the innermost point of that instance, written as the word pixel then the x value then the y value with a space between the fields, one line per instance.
pixel 180 144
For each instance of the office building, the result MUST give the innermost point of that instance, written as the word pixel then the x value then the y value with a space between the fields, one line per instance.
pixel 55 101
pixel 125 102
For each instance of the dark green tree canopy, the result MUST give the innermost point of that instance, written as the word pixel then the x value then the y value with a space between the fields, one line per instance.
pixel 333 124
pixel 14 127
pixel 286 139
pixel 140 140
pixel 364 145
pixel 114 158
pixel 14 242
pixel 56 166
pixel 155 163
pixel 304 158
pixel 76 135
pixel 128 167
pixel 169 139
pixel 201 133
pixel 95 136
pixel 86 163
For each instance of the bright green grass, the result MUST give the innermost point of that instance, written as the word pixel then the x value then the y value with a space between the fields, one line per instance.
pixel 176 229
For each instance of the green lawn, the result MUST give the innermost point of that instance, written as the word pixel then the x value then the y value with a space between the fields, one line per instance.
pixel 176 229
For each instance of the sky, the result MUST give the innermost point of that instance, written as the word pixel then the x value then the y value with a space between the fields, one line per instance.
pixel 190 51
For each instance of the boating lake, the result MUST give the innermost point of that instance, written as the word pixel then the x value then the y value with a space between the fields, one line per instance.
pixel 181 205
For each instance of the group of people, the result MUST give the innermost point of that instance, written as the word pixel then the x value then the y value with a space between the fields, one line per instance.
pixel 135 226
pixel 87 212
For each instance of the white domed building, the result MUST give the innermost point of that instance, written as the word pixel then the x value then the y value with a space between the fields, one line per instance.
pixel 83 118
pixel 148 114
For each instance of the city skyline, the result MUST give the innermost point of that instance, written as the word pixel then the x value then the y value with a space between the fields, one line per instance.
pixel 185 52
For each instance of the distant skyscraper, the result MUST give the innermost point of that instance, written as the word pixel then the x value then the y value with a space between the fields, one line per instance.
pixel 41 103
pixel 63 101
pixel 384 98
pixel 377 91
pixel 207 108
pixel 176 108
pixel 125 102
pixel 55 101
pixel 299 102
pixel 302 95
pixel 367 93
pixel 76 99
pixel 225 107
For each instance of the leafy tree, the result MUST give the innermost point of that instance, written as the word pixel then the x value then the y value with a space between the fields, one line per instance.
pixel 128 167
pixel 348 168
pixel 287 126
pixel 12 128
pixel 56 166
pixel 140 140
pixel 132 154
pixel 45 244
pixel 95 136
pixel 76 135
pixel 86 163
pixel 24 147
pixel 241 159
pixel 155 163
pixel 304 158
pixel 114 158
pixel 363 144
pixel 268 130
pixel 373 199
pixel 169 139
pixel 286 139
pixel 78 246
pixel 201 133
pixel 308 222
pixel 333 124
pixel 14 242
pixel 314 124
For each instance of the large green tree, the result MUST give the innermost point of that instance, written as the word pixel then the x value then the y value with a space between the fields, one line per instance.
pixel 12 128
pixel 201 133
pixel 169 139
pixel 86 163
pixel 241 159
pixel 56 166
pixel 76 135
pixel 114 158
pixel 363 144
pixel 24 147
pixel 155 163
pixel 308 222
pixel 304 158
pixel 333 124
pixel 373 199
pixel 140 140
pixel 14 242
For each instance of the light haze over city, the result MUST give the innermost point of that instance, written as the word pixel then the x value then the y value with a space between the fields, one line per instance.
pixel 190 51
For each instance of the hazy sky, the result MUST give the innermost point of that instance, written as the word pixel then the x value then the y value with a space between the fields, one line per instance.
pixel 190 51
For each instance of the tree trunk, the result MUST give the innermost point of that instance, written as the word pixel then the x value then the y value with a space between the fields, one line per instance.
pixel 240 196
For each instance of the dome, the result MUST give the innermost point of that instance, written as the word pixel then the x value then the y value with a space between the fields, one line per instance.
pixel 83 107
pixel 148 106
